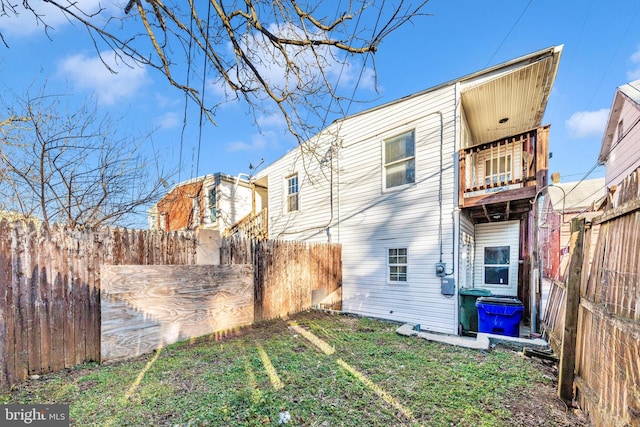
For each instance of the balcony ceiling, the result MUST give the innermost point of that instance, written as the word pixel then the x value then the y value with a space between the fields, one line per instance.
pixel 518 94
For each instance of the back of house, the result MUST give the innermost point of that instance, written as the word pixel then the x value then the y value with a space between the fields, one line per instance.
pixel 411 188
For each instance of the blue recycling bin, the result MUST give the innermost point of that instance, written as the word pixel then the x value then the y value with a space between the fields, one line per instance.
pixel 499 315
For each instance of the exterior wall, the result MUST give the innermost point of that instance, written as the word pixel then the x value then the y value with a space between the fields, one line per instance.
pixel 175 210
pixel 624 155
pixel 341 199
pixel 234 203
pixel 498 234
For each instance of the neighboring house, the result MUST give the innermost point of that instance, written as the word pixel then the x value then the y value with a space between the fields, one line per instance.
pixel 565 201
pixel 620 151
pixel 215 201
pixel 427 194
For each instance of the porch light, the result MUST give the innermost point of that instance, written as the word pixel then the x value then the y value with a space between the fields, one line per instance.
pixel 503 120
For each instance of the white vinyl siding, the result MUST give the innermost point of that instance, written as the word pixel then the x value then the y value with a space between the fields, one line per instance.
pixel 234 203
pixel 624 156
pixel 351 206
pixel 490 240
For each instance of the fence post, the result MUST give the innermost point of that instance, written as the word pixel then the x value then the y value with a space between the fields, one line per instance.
pixel 566 370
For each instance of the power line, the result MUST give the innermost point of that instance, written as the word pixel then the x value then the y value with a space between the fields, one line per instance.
pixel 204 81
pixel 509 33
pixel 586 175
pixel 613 56
pixel 186 97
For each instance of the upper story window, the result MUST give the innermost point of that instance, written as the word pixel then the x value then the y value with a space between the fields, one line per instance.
pixel 620 130
pixel 497 169
pixel 399 160
pixel 292 193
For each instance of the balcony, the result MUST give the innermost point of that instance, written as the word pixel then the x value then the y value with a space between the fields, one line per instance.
pixel 506 172
pixel 253 226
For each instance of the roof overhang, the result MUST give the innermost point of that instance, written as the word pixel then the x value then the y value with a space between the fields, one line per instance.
pixel 510 98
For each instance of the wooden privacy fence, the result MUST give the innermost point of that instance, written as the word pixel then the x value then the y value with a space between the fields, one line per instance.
pixel 289 277
pixel 593 317
pixel 147 307
pixel 50 290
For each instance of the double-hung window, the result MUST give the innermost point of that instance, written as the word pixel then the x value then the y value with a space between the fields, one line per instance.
pixel 497 170
pixel 399 160
pixel 292 193
pixel 397 265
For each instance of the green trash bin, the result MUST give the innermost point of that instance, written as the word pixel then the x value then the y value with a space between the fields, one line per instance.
pixel 468 309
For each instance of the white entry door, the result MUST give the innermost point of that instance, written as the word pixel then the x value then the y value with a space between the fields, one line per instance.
pixel 496 260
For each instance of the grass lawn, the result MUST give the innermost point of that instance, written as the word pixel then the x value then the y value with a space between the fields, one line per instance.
pixel 320 370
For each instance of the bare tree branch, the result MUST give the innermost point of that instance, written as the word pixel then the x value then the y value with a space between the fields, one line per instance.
pixel 266 52
pixel 73 167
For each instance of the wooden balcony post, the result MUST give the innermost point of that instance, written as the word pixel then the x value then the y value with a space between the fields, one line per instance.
pixel 462 177
pixel 542 157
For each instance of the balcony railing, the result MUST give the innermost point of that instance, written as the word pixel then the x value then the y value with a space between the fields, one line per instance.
pixel 253 226
pixel 510 163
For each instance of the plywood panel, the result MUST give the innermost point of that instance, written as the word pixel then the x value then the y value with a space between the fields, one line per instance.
pixel 146 307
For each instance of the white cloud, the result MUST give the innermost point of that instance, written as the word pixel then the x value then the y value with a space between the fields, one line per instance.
pixel 273 120
pixel 24 23
pixel 583 124
pixel 258 142
pixel 90 73
pixel 634 74
pixel 168 121
pixel 164 101
pixel 349 74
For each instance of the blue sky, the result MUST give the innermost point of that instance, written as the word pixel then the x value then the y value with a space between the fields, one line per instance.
pixel 601 51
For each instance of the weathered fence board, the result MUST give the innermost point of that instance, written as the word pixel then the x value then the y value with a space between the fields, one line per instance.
pixel 49 290
pixel 148 307
pixel 607 371
pixel 287 273
pixel 50 283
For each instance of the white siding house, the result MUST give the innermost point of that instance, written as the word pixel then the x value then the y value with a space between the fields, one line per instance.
pixel 384 183
pixel 620 152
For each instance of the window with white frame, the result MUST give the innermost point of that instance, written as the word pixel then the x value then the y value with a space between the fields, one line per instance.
pixel 399 160
pixel 397 265
pixel 496 265
pixel 497 170
pixel 292 193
